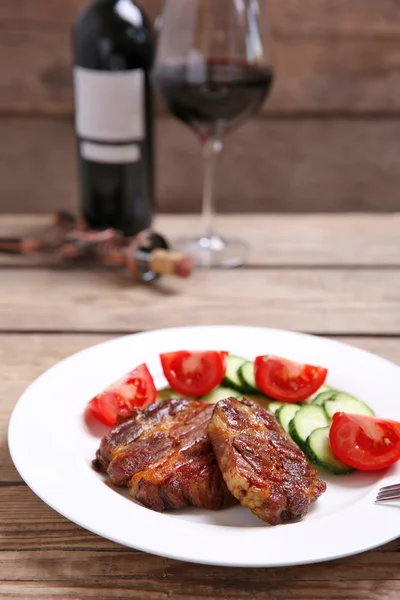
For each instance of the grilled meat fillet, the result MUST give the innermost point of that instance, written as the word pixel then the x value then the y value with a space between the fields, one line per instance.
pixel 260 464
pixel 164 456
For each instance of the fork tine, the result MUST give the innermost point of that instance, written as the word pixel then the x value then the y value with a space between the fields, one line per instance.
pixel 395 490
pixel 390 492
pixel 387 498
pixel 396 486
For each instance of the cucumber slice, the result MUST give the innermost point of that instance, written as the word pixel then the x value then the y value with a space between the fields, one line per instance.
pixel 285 414
pixel 308 418
pixel 164 394
pixel 321 398
pixel 168 394
pixel 220 393
pixel 342 402
pixel 318 449
pixel 275 406
pixel 246 376
pixel 232 379
pixel 322 389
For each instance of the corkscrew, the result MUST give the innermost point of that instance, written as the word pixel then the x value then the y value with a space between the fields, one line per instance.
pixel 146 256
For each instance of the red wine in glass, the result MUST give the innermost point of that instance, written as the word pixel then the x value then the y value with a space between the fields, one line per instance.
pixel 213 70
pixel 214 97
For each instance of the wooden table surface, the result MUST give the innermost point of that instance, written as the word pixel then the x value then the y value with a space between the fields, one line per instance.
pixel 337 276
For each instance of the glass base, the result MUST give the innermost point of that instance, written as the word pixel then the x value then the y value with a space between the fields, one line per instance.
pixel 213 251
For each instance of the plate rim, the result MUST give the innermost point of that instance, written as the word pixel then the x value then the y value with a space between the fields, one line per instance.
pixel 13 423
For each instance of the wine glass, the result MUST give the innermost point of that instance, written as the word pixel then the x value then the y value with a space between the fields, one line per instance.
pixel 213 70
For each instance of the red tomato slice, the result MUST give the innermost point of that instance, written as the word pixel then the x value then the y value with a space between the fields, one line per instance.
pixel 363 442
pixel 285 380
pixel 134 390
pixel 193 374
pixel 93 409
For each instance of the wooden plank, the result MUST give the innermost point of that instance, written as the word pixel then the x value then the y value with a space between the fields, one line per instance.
pixel 268 166
pixel 316 300
pixel 342 57
pixel 342 18
pixel 138 570
pixel 360 590
pixel 321 75
pixel 293 17
pixel 41 528
pixel 274 240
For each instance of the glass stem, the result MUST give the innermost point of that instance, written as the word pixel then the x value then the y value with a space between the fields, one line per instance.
pixel 212 148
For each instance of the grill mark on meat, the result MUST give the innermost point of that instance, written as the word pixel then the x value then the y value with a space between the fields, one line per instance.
pixel 261 465
pixel 164 456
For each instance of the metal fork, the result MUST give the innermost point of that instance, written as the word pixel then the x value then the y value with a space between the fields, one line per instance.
pixel 390 492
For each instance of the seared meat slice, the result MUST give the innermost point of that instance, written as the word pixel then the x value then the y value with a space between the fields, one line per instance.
pixel 163 454
pixel 261 465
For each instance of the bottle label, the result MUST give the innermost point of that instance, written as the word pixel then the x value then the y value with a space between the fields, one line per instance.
pixel 109 106
pixel 109 153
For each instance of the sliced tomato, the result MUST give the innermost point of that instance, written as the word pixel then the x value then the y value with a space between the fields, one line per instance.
pixel 285 380
pixel 364 442
pixel 193 374
pixel 134 390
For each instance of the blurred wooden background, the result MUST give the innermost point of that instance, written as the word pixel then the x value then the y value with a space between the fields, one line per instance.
pixel 328 139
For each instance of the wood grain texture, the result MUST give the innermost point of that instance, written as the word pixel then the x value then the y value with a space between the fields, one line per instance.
pixel 358 590
pixel 293 17
pixel 276 240
pixel 321 75
pixel 141 571
pixel 341 57
pixel 317 300
pixel 268 166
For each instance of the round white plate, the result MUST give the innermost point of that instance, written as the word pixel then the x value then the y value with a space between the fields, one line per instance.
pixel 52 448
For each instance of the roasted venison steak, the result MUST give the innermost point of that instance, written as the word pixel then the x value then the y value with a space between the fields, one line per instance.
pixel 164 455
pixel 261 465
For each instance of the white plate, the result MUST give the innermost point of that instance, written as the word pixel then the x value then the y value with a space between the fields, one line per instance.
pixel 52 449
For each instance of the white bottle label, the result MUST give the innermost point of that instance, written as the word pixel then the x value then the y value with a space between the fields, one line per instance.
pixel 109 153
pixel 109 106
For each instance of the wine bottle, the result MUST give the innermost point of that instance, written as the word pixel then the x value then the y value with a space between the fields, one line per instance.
pixel 113 47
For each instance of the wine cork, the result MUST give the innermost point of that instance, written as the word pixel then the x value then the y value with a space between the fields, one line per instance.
pixel 167 262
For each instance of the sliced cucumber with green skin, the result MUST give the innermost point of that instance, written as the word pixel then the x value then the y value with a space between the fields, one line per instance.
pixel 322 389
pixel 342 402
pixel 285 414
pixel 308 418
pixel 321 398
pixel 232 379
pixel 169 394
pixel 220 393
pixel 164 394
pixel 275 406
pixel 318 449
pixel 246 376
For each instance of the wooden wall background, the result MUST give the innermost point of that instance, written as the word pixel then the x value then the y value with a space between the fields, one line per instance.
pixel 327 140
